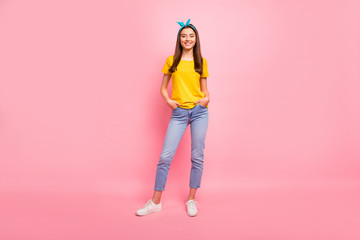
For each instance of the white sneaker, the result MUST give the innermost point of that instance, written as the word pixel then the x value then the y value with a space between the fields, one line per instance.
pixel 149 207
pixel 191 207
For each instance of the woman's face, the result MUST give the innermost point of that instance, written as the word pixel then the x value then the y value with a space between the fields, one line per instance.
pixel 187 38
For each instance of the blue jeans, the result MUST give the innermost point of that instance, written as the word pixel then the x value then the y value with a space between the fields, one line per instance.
pixel 197 117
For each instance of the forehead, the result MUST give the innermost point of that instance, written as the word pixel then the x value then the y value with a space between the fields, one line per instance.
pixel 187 31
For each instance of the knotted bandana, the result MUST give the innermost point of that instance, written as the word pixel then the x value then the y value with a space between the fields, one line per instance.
pixel 186 24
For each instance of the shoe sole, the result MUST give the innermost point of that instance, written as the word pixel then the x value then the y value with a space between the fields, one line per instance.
pixel 148 212
pixel 191 215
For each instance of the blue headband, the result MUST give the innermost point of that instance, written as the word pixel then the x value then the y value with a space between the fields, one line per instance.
pixel 186 24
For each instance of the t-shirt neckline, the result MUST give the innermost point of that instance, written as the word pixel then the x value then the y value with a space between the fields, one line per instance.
pixel 186 60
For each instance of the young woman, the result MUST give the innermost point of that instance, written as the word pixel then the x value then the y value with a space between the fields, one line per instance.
pixel 189 104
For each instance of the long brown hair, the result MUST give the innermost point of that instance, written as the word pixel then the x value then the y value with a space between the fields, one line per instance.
pixel 198 61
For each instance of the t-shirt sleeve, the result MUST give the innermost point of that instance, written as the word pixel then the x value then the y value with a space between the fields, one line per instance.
pixel 205 69
pixel 167 65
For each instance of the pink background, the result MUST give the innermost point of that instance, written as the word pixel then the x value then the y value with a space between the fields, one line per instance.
pixel 82 121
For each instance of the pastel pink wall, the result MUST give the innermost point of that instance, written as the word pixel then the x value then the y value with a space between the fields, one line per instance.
pixel 80 107
pixel 82 121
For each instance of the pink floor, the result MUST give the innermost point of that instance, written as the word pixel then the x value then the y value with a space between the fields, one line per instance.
pixel 292 211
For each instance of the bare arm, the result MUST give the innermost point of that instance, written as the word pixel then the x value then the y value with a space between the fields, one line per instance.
pixel 203 87
pixel 164 93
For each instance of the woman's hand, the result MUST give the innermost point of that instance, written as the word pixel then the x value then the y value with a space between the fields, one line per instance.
pixel 173 104
pixel 203 101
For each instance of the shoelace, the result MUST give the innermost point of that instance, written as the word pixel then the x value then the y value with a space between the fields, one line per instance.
pixel 147 204
pixel 192 204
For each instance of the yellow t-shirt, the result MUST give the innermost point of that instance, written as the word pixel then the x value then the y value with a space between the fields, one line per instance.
pixel 185 82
